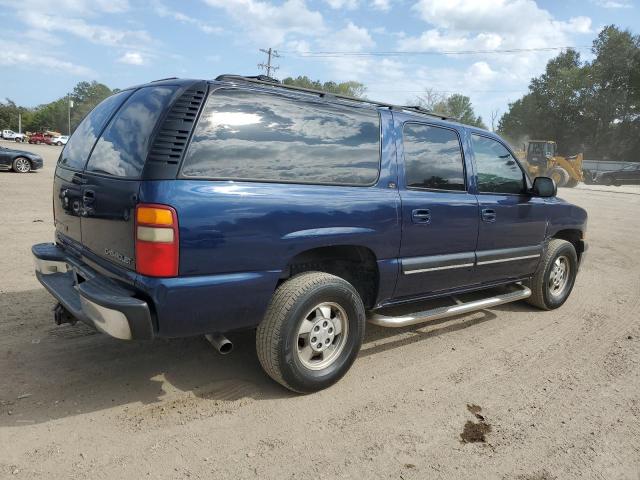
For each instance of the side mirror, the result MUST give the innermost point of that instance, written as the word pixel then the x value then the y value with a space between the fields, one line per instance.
pixel 544 187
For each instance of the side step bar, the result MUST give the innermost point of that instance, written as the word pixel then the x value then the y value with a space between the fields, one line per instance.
pixel 520 293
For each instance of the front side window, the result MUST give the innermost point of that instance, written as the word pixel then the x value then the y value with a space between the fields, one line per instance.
pixel 432 157
pixel 498 171
pixel 79 146
pixel 122 149
pixel 244 135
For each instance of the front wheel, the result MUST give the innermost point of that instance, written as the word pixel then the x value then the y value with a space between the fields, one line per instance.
pixel 560 176
pixel 555 277
pixel 312 332
pixel 21 165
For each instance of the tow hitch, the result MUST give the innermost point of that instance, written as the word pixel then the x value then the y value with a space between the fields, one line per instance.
pixel 61 315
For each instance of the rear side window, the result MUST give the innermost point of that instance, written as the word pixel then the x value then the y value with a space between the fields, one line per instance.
pixel 122 149
pixel 498 171
pixel 79 146
pixel 253 136
pixel 432 157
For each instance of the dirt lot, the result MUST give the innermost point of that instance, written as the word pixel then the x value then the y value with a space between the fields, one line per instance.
pixel 553 394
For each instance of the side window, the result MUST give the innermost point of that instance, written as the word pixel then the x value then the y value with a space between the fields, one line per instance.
pixel 244 135
pixel 432 157
pixel 498 171
pixel 75 153
pixel 122 149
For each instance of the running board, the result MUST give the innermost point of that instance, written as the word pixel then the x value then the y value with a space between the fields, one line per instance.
pixel 521 293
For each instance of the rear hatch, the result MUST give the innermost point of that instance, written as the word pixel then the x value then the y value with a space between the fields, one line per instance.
pixel 99 173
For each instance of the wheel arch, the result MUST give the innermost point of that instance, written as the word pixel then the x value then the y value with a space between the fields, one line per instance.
pixel 574 236
pixel 356 264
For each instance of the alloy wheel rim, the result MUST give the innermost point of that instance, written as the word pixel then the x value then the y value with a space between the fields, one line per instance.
pixel 322 336
pixel 559 276
pixel 22 165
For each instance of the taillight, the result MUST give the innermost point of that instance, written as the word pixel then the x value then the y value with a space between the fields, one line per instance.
pixel 157 242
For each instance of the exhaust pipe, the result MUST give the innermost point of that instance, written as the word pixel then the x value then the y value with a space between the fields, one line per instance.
pixel 221 343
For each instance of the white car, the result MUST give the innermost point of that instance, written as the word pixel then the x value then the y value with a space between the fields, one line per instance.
pixel 11 135
pixel 60 140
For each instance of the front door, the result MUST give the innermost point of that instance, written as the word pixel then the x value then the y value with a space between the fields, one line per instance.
pixel 513 223
pixel 439 216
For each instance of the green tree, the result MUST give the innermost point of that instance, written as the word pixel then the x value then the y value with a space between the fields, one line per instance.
pixel 592 107
pixel 457 106
pixel 350 88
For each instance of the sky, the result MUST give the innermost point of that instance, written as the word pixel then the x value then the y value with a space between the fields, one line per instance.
pixel 397 48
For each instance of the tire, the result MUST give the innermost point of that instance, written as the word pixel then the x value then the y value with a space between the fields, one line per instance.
pixel 572 183
pixel 59 144
pixel 284 351
pixel 560 176
pixel 607 180
pixel 544 294
pixel 21 165
pixel 17 140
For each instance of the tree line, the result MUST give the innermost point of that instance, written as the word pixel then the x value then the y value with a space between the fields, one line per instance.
pixel 585 106
pixel 54 115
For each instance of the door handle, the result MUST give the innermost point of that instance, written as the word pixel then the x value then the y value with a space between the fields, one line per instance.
pixel 421 215
pixel 489 215
pixel 88 197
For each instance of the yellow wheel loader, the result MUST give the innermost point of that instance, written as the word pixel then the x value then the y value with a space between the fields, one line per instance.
pixel 541 160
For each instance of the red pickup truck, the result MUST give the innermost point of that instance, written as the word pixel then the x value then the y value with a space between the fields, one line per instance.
pixel 40 137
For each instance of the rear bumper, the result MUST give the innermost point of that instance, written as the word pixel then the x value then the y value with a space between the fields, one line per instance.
pixel 90 297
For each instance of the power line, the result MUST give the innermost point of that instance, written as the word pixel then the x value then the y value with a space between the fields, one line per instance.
pixel 267 67
pixel 333 54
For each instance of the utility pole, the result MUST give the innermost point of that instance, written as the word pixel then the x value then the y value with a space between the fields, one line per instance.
pixel 19 122
pixel 267 67
pixel 70 106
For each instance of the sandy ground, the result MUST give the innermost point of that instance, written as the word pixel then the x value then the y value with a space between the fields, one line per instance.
pixel 559 391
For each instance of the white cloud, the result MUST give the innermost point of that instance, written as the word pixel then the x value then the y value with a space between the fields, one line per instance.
pixel 69 7
pixel 132 58
pixel 383 5
pixel 20 56
pixel 164 11
pixel 270 23
pixel 98 34
pixel 613 3
pixel 350 39
pixel 346 4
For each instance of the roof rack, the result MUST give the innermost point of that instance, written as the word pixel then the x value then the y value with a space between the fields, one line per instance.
pixel 163 79
pixel 264 80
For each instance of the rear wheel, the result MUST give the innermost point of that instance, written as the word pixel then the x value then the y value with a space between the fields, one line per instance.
pixel 560 176
pixel 18 140
pixel 21 165
pixel 572 183
pixel 59 144
pixel 556 274
pixel 312 332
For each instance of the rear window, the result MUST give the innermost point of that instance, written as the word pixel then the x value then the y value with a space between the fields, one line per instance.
pixel 122 149
pixel 79 146
pixel 263 137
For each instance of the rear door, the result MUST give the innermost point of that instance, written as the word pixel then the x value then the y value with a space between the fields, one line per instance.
pixel 69 179
pixel 513 223
pixel 112 175
pixel 439 215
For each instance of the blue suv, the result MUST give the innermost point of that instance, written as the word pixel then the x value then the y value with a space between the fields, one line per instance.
pixel 190 207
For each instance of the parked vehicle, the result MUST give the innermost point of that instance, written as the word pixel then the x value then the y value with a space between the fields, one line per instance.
pixel 186 207
pixel 60 140
pixel 628 175
pixel 11 135
pixel 40 137
pixel 19 161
